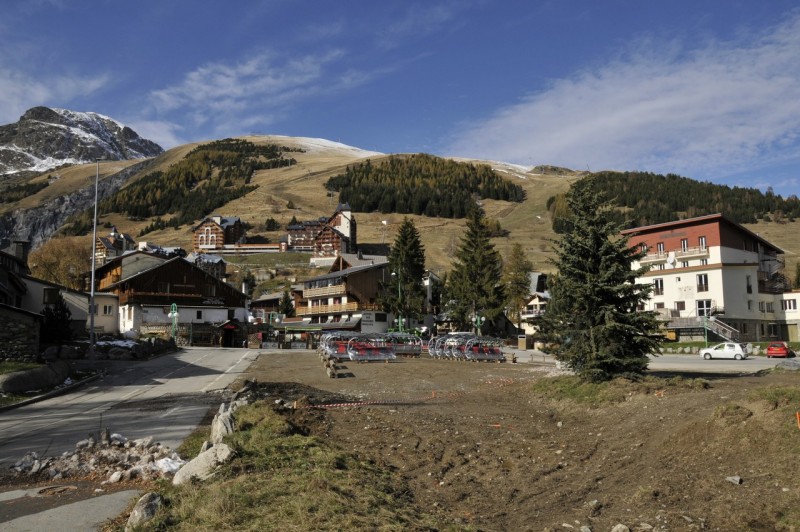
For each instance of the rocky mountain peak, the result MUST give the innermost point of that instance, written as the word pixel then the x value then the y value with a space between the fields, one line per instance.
pixel 46 138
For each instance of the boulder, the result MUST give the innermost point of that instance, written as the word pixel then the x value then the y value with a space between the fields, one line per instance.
pixel 204 464
pixel 144 510
pixel 39 378
pixel 221 426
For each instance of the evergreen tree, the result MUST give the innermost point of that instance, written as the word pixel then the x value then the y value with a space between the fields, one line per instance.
pixel 594 297
pixel 474 285
pixel 286 304
pixel 405 294
pixel 57 318
pixel 517 278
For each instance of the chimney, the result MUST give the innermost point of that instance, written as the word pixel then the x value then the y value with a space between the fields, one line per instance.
pixel 19 249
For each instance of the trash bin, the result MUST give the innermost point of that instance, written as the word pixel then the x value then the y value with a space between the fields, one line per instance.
pixel 522 342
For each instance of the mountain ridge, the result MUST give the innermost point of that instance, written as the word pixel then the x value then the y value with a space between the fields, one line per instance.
pixel 45 138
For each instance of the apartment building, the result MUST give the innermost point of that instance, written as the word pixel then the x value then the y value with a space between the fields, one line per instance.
pixel 713 276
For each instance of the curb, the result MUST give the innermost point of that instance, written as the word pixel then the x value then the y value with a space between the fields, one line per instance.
pixel 53 393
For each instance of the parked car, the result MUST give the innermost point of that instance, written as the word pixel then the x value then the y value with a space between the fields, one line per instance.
pixel 779 349
pixel 727 350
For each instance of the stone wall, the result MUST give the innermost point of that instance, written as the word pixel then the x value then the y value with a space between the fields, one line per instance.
pixel 19 334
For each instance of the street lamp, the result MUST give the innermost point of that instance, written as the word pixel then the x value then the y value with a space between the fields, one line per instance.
pixel 399 302
pixel 478 320
pixel 274 317
pixel 173 313
pixel 92 338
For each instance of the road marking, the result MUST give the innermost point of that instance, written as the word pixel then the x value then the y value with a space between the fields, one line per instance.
pixel 212 383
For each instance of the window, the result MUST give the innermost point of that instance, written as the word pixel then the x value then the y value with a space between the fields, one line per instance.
pixel 703 307
pixel 772 330
pixel 108 310
pixel 770 306
pixel 684 244
pixel 744 328
pixel 199 315
pixel 749 285
pixel 659 305
pixel 702 242
pixel 749 304
pixel 702 282
pixel 660 248
pixel 762 306
pixel 50 296
pixel 661 267
pixel 644 247
pixel 680 306
pixel 704 262
pixel 658 287
pixel 684 264
pixel 789 304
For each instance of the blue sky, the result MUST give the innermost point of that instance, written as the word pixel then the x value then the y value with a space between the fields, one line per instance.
pixel 706 89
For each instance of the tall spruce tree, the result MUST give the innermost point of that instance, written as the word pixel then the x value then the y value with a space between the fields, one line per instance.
pixel 405 294
pixel 286 305
pixel 474 286
pixel 517 277
pixel 594 297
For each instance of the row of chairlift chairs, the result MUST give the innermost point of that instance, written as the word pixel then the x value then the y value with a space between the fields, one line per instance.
pixel 365 347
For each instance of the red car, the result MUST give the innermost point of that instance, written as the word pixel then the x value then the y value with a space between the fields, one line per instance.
pixel 778 349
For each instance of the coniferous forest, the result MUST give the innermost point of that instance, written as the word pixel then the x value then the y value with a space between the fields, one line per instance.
pixel 421 184
pixel 645 198
pixel 210 176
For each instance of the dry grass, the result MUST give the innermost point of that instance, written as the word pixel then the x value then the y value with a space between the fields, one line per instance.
pixel 303 184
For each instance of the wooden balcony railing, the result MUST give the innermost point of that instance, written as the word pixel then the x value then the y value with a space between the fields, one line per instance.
pixel 334 309
pixel 335 290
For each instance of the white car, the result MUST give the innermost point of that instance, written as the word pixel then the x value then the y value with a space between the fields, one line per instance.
pixel 727 350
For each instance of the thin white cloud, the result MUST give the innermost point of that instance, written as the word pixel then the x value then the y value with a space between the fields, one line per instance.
pixel 216 92
pixel 20 91
pixel 165 134
pixel 658 107
pixel 416 21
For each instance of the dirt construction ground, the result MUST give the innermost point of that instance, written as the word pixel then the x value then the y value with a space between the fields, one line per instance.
pixel 473 442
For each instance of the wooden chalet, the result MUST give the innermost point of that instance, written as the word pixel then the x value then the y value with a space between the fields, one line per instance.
pixel 216 232
pixel 148 287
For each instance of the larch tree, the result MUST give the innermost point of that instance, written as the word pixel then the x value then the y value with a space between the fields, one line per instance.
pixel 593 312
pixel 517 278
pixel 474 286
pixel 405 293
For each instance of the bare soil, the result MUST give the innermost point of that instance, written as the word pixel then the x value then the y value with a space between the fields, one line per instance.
pixel 475 444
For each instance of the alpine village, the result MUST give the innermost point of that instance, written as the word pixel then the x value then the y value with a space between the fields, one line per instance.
pixel 291 245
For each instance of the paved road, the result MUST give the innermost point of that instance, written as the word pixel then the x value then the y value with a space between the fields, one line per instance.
pixel 163 397
pixel 678 363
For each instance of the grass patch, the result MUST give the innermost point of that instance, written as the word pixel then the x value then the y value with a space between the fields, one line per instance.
pixel 9 399
pixel 12 366
pixel 595 394
pixel 281 480
pixel 778 396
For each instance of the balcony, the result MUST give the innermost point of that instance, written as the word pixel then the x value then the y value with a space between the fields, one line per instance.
pixel 654 258
pixel 329 309
pixel 691 253
pixel 334 290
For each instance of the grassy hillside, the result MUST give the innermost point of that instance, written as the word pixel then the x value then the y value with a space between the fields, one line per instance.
pixel 303 185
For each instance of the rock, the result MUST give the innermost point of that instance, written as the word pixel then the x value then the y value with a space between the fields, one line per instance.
pixel 39 378
pixel 204 464
pixel 594 508
pixel 144 510
pixel 620 528
pixel 115 477
pixel 83 444
pixel 119 353
pixel 585 528
pixel 221 426
pixel 206 446
pixel 791 364
pixel 734 479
